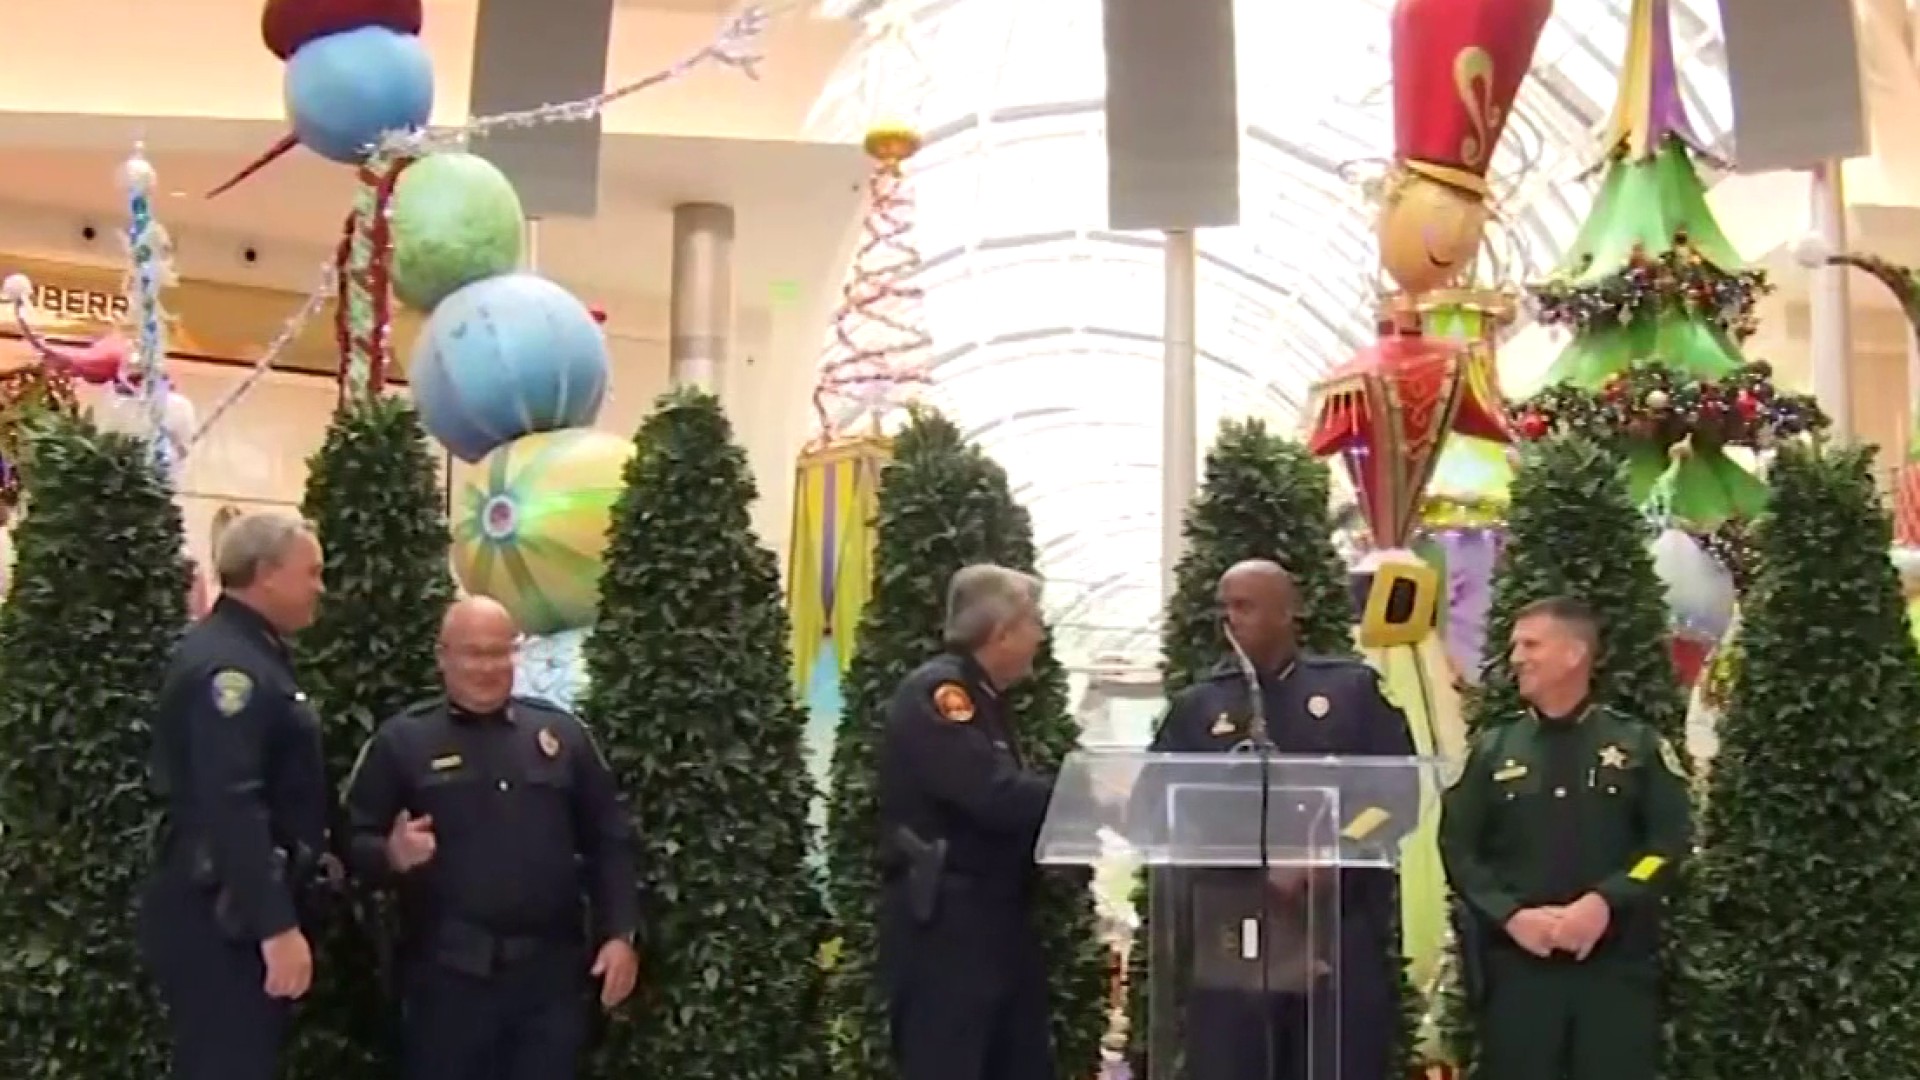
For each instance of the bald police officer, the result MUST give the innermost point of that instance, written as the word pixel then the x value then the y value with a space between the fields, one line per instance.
pixel 1561 835
pixel 960 813
pixel 237 758
pixel 1312 705
pixel 491 814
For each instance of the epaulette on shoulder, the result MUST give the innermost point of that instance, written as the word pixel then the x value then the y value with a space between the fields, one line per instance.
pixel 1316 661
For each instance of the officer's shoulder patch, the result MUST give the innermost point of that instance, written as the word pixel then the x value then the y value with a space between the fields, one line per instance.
pixel 231 689
pixel 953 703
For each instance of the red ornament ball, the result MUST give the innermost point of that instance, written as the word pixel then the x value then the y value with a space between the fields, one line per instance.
pixel 1746 404
pixel 285 25
pixel 1533 426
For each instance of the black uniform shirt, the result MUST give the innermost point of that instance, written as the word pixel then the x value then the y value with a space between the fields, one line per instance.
pixel 950 767
pixel 1317 706
pixel 237 758
pixel 522 804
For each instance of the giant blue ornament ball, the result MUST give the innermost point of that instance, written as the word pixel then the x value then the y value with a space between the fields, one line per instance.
pixel 344 91
pixel 505 357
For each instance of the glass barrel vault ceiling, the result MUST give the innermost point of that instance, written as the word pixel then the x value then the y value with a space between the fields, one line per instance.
pixel 1046 325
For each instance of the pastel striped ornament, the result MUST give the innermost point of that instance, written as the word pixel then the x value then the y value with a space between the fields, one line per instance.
pixel 504 357
pixel 530 527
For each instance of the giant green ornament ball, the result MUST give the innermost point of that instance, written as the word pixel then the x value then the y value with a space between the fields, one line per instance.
pixel 455 219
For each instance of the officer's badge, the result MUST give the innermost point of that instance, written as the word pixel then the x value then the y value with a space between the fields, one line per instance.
pixel 1612 757
pixel 231 691
pixel 1223 725
pixel 1318 706
pixel 1671 759
pixel 953 703
pixel 549 743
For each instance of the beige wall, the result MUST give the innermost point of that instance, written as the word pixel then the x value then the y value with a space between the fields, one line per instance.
pixel 1881 394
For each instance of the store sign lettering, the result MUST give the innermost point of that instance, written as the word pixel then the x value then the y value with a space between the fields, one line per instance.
pixel 74 303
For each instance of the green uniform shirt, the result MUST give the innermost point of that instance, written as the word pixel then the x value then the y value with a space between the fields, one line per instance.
pixel 1546 811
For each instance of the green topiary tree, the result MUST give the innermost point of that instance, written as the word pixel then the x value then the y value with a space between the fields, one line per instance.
pixel 374 497
pixel 691 699
pixel 1263 497
pixel 1573 531
pixel 943 504
pixel 1803 947
pixel 99 597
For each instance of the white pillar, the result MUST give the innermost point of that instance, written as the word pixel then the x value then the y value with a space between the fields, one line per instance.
pixel 701 317
pixel 1179 450
pixel 1830 304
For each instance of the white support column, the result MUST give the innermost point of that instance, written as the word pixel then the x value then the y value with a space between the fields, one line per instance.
pixel 701 317
pixel 1830 305
pixel 1179 450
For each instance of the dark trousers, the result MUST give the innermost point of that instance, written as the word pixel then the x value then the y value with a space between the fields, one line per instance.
pixel 1229 1033
pixel 527 1020
pixel 223 1024
pixel 1562 1020
pixel 967 993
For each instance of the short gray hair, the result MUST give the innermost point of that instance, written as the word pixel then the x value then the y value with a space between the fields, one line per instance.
pixel 252 543
pixel 984 597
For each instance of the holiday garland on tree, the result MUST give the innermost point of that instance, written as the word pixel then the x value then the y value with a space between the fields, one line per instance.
pixel 1801 944
pixel 1659 302
pixel 691 700
pixel 943 505
pixel 375 500
pixel 98 599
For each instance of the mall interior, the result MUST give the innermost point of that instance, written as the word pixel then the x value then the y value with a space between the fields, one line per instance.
pixel 1045 325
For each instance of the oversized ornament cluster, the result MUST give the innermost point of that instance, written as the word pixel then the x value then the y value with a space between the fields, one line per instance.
pixel 510 369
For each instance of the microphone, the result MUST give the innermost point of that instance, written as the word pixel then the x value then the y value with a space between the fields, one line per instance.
pixel 1259 742
pixel 1257 737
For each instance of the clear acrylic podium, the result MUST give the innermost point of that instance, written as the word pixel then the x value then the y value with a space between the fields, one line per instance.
pixel 1221 930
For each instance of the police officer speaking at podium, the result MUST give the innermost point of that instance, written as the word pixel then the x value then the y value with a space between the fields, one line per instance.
pixel 1307 705
pixel 959 817
pixel 237 760
pixel 492 814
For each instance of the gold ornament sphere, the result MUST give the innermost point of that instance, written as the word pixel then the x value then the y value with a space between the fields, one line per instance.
pixel 891 142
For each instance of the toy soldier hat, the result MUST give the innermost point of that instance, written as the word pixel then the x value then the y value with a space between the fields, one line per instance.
pixel 1457 68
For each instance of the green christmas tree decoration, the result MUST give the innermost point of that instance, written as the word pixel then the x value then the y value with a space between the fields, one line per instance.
pixel 943 505
pixel 99 596
pixel 691 701
pixel 1659 303
pixel 375 500
pixel 1802 949
pixel 1573 530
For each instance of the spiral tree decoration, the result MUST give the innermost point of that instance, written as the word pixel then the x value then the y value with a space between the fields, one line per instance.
pixel 880 340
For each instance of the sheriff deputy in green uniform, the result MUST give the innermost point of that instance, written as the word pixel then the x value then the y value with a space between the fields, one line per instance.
pixel 1560 836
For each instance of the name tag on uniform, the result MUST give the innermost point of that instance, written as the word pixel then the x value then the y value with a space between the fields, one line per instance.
pixel 451 761
pixel 1510 772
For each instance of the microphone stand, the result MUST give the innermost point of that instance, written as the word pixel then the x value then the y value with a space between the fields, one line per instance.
pixel 1260 743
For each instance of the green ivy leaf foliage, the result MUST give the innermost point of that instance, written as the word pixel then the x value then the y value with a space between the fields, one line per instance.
pixel 98 599
pixel 943 504
pixel 1802 950
pixel 692 703
pixel 1262 496
pixel 375 499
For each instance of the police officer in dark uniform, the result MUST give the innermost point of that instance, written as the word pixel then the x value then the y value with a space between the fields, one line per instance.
pixel 237 760
pixel 959 816
pixel 1560 836
pixel 1311 706
pixel 490 812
